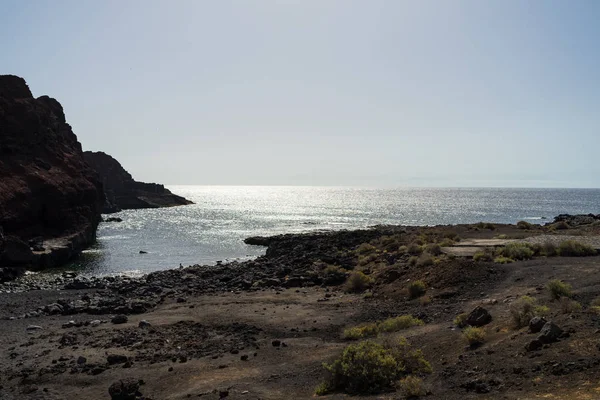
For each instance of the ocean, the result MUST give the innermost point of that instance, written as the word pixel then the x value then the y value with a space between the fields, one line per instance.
pixel 214 227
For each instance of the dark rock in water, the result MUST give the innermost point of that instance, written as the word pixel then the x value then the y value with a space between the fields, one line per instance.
pixel 113 219
pixel 536 324
pixel 550 333
pixel 125 389
pixel 143 252
pixel 258 241
pixel 123 192
pixel 47 188
pixel 479 317
pixel 119 319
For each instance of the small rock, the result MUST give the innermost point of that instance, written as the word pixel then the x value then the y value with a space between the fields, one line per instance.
pixel 144 324
pixel 125 389
pixel 81 360
pixel 113 359
pixel 119 319
pixel 244 357
pixel 479 317
pixel 535 344
pixel 276 343
pixel 34 328
pixel 95 323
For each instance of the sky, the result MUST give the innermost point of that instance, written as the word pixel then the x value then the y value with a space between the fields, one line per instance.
pixel 322 92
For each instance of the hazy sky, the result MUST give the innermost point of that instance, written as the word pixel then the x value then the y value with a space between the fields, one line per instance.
pixel 322 92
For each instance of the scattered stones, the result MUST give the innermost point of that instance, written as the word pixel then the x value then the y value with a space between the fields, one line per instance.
pixel 479 317
pixel 119 319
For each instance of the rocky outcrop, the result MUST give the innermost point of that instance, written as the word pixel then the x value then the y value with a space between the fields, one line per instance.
pixel 576 220
pixel 123 192
pixel 50 199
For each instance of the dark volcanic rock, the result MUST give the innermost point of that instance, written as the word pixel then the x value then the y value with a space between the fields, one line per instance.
pixel 536 324
pixel 123 192
pixel 46 189
pixel 550 333
pixel 479 317
pixel 125 389
pixel 577 220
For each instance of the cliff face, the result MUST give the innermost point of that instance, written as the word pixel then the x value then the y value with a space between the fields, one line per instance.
pixel 123 192
pixel 50 199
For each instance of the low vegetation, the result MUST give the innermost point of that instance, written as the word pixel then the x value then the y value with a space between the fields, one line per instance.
pixel 372 329
pixel 503 260
pixel 372 367
pixel 516 251
pixel 559 289
pixel 572 248
pixel 358 282
pixel 416 289
pixel 568 306
pixel 474 336
pixel 524 309
pixel 486 254
pixel 524 225
pixel 412 386
pixel 461 320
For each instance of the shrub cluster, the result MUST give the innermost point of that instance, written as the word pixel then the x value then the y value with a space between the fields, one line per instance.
pixel 372 367
pixel 559 289
pixel 416 289
pixel 474 335
pixel 358 282
pixel 525 308
pixel 394 324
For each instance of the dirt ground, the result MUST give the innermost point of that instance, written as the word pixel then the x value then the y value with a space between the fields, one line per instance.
pixel 271 343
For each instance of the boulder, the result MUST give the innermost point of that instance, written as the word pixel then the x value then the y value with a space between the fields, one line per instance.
pixel 16 252
pixel 119 319
pixel 113 359
pixel 550 333
pixel 536 324
pixel 124 389
pixel 478 317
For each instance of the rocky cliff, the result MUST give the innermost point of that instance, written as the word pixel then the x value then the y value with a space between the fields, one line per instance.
pixel 123 192
pixel 50 199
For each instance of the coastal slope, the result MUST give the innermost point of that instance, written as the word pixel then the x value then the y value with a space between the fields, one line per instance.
pixel 123 192
pixel 50 199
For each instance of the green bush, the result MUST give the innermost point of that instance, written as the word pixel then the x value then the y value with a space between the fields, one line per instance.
pixel 548 249
pixel 461 320
pixel 562 225
pixel 413 261
pixel 572 248
pixel 332 274
pixel 447 243
pixel 361 331
pixel 568 306
pixel 525 308
pixel 559 289
pixel 416 289
pixel 414 249
pixel 503 260
pixel 358 282
pixel 516 251
pixel 483 255
pixel 473 335
pixel 524 225
pixel 398 323
pixel 366 248
pixel 412 386
pixel 425 260
pixel 434 249
pixel 365 367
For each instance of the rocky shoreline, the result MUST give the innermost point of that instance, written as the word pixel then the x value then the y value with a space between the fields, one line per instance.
pixel 252 329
